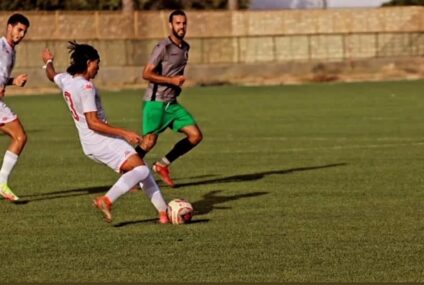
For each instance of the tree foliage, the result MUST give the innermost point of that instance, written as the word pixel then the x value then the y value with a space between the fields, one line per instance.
pixel 186 4
pixel 60 5
pixel 405 3
pixel 112 5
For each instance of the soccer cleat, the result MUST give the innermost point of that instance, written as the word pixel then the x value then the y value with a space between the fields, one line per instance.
pixel 163 217
pixel 163 172
pixel 7 193
pixel 105 205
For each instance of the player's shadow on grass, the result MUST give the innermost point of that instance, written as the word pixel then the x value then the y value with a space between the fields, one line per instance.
pixel 211 199
pixel 202 207
pixel 123 224
pixel 229 179
pixel 63 194
pixel 255 176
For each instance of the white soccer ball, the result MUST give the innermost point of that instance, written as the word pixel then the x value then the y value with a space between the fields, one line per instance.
pixel 180 211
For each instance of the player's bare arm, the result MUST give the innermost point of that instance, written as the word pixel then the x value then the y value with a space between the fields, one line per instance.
pixel 19 80
pixel 48 58
pixel 97 125
pixel 150 75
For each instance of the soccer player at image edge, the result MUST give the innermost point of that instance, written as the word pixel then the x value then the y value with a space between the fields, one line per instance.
pixel 17 27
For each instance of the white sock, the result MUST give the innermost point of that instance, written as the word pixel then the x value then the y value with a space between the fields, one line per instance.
pixel 9 162
pixel 127 181
pixel 151 189
pixel 165 161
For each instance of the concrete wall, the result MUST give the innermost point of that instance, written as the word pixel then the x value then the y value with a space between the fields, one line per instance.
pixel 207 24
pixel 230 42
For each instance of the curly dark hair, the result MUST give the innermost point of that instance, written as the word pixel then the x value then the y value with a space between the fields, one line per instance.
pixel 80 54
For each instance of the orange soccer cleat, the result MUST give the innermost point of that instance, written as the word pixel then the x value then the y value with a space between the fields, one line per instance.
pixel 105 206
pixel 163 172
pixel 163 217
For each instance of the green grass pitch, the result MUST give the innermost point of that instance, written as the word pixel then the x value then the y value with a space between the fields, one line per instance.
pixel 320 182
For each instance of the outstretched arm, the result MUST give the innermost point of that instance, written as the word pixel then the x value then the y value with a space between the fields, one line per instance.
pixel 48 57
pixel 19 80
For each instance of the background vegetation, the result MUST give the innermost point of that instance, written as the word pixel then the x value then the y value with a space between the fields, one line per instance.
pixel 116 4
pixel 405 3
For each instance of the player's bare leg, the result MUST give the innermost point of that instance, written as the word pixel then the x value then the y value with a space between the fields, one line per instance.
pixel 149 141
pixel 18 137
pixel 16 132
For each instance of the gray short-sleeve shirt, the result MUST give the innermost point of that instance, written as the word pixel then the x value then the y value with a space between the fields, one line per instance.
pixel 169 60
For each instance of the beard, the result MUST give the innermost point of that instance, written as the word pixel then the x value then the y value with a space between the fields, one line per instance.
pixel 175 33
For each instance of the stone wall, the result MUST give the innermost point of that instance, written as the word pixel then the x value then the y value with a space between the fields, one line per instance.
pixel 231 40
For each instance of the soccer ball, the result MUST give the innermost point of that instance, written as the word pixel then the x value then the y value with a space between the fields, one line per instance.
pixel 180 211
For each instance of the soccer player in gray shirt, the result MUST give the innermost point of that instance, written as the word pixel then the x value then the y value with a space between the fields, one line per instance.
pixel 165 73
pixel 17 26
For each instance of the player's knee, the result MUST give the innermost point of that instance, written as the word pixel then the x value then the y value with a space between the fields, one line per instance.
pixel 148 143
pixel 21 139
pixel 148 146
pixel 142 172
pixel 196 138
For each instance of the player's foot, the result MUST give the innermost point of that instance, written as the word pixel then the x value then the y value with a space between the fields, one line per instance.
pixel 163 217
pixel 163 172
pixel 6 193
pixel 105 206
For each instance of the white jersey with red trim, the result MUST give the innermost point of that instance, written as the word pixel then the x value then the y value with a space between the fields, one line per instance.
pixel 7 61
pixel 82 97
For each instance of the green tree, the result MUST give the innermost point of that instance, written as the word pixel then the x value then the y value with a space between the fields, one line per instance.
pixel 115 5
pixel 187 4
pixel 405 3
pixel 127 5
pixel 60 5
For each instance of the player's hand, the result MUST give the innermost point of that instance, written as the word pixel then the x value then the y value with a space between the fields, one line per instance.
pixel 47 55
pixel 133 138
pixel 2 91
pixel 178 80
pixel 20 80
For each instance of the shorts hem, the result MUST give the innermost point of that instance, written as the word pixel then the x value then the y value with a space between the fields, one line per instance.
pixel 7 122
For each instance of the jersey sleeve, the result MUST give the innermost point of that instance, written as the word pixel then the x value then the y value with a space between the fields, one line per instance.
pixel 88 98
pixel 158 54
pixel 3 79
pixel 4 76
pixel 59 79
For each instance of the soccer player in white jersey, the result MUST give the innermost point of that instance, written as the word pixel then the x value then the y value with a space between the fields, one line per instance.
pixel 17 26
pixel 100 141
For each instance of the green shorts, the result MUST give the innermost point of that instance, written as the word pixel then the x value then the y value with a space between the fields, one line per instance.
pixel 157 116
